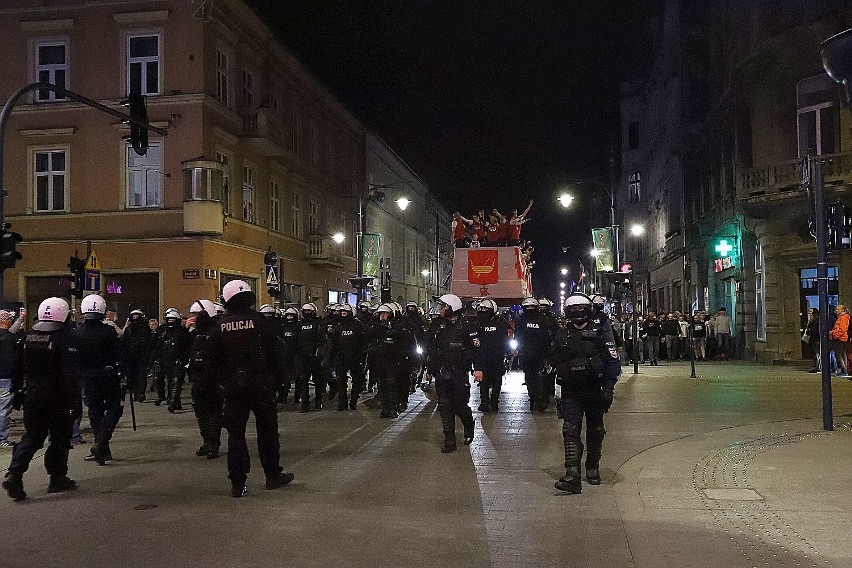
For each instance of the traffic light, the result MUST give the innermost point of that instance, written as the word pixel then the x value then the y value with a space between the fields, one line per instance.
pixel 77 267
pixel 138 134
pixel 8 243
pixel 839 226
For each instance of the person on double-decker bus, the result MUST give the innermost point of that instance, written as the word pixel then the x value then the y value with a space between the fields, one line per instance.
pixel 502 230
pixel 515 225
pixel 477 229
pixel 459 227
pixel 492 230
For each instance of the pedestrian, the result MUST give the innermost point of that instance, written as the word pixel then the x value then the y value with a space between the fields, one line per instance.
pixel 454 352
pixel 723 329
pixel 11 377
pixel 243 356
pixel 206 398
pixel 51 401
pixel 811 338
pixel 586 362
pixel 683 336
pixel 650 335
pixel 98 353
pixel 839 336
pixel 493 336
pixel 670 330
pixel 699 336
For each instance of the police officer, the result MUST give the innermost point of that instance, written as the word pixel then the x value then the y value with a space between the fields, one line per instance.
pixel 289 335
pixel 587 368
pixel 243 357
pixel 172 351
pixel 51 400
pixel 412 322
pixel 494 343
pixel 454 350
pixel 98 353
pixel 136 343
pixel 533 333
pixel 310 342
pixel 347 344
pixel 206 398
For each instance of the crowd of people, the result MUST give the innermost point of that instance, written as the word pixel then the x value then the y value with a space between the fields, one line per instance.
pixel 240 361
pixel 489 230
pixel 667 336
pixel 840 346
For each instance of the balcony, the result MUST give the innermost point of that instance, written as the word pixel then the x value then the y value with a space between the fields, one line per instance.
pixel 262 132
pixel 322 251
pixel 762 190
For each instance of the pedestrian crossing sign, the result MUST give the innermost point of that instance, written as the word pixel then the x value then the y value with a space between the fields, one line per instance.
pixel 272 280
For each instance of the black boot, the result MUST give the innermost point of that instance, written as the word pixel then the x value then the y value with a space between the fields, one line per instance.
pixel 279 480
pixel 495 402
pixel 448 422
pixel 238 489
pixel 203 450
pixel 594 443
pixel 60 483
pixel 14 486
pixel 571 482
pixel 484 403
pixel 342 400
pixel 353 402
pixel 469 425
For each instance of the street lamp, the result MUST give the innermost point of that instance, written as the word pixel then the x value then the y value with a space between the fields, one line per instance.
pixel 424 272
pixel 608 190
pixel 403 203
pixel 562 285
pixel 564 271
pixel 338 237
pixel 565 199
pixel 636 230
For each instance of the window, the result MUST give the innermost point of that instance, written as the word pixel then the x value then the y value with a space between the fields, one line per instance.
pixel 635 187
pixel 51 66
pixel 297 216
pixel 143 176
pixel 312 143
pixel 818 118
pixel 248 194
pixel 633 135
pixel 143 64
pixel 274 206
pixel 293 141
pixel 759 293
pixel 249 90
pixel 223 74
pixel 225 160
pixel 313 217
pixel 50 172
pixel 292 292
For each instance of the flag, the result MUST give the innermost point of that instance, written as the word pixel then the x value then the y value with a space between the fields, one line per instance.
pixel 604 257
pixel 370 254
pixel 482 266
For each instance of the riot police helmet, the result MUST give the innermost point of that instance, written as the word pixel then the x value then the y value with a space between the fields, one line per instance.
pixel 52 314
pixel 268 310
pixel 451 302
pixel 598 302
pixel 309 310
pixel 93 307
pixel 172 316
pixel 237 294
pixel 346 310
pixel 487 306
pixel 205 306
pixel 544 304
pixel 137 315
pixel 530 304
pixel 220 309
pixel 578 309
pixel 291 314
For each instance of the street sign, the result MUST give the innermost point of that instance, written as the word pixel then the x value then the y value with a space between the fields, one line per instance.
pixel 92 263
pixel 272 279
pixel 93 280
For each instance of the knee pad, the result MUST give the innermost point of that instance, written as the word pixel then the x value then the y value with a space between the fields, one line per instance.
pixel 595 433
pixel 570 431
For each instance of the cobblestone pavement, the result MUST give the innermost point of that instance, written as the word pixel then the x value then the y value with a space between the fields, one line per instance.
pixel 730 469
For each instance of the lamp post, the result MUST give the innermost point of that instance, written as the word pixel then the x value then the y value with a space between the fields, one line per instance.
pixel 566 198
pixel 636 230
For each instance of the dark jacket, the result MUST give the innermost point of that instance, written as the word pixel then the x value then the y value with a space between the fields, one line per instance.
pixel 585 359
pixel 50 369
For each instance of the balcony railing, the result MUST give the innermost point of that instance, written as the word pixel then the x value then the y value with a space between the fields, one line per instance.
pixel 787 176
pixel 321 250
pixel 263 131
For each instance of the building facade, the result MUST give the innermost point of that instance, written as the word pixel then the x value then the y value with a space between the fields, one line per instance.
pixel 755 100
pixel 258 156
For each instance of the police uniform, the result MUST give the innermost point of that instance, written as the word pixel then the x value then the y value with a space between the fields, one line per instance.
pixel 533 331
pixel 587 368
pixel 311 342
pixel 389 344
pixel 136 344
pixel 454 351
pixel 172 351
pixel 242 356
pixel 494 343
pixel 346 356
pixel 289 330
pixel 206 397
pixel 51 404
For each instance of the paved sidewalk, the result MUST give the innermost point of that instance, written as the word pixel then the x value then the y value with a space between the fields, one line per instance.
pixel 730 469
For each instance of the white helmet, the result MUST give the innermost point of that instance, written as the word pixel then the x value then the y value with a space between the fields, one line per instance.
pixel 171 313
pixel 220 309
pixel 267 309
pixel 598 302
pixel 487 304
pixel 52 314
pixel 235 287
pixel 309 307
pixel 93 307
pixel 137 312
pixel 384 309
pixel 545 302
pixel 291 312
pixel 347 308
pixel 199 306
pixel 451 301
pixel 578 308
pixel 529 303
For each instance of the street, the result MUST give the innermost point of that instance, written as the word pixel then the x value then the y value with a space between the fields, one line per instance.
pixel 730 469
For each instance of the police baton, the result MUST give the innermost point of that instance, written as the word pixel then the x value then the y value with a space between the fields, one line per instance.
pixel 132 407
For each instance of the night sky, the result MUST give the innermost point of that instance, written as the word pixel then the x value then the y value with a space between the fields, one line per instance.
pixel 490 103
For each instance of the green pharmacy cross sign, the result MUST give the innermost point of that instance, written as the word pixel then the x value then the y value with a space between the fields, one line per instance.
pixel 723 248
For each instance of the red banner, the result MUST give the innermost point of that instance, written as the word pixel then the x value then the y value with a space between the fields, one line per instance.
pixel 482 266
